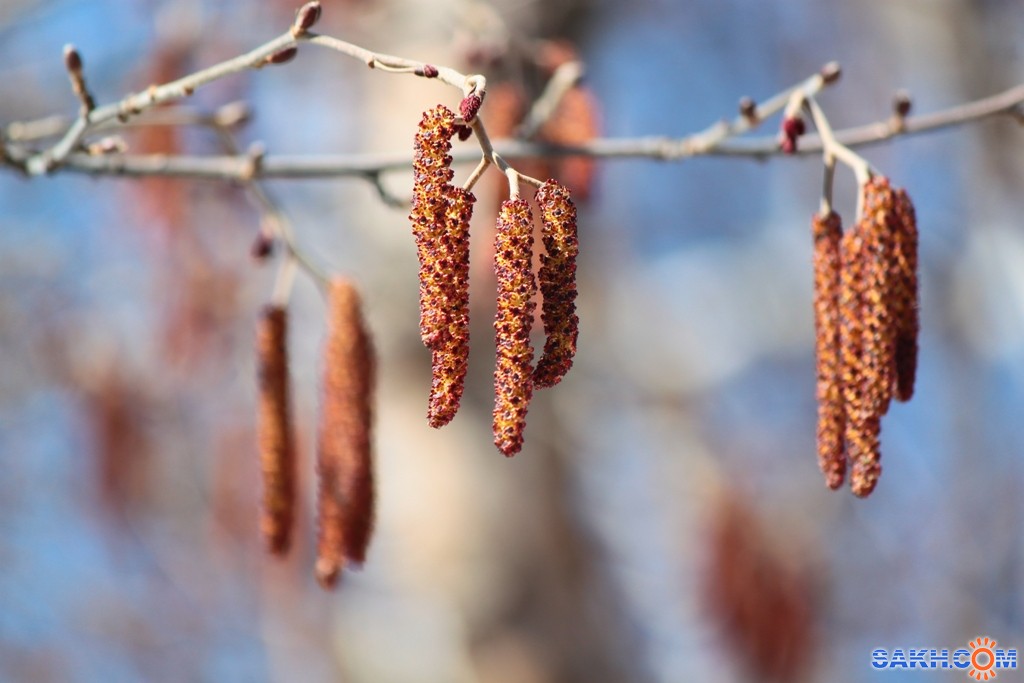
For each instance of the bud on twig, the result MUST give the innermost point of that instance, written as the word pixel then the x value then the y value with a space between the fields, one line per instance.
pixel 306 18
pixel 901 103
pixel 283 56
pixel 748 109
pixel 469 106
pixel 428 71
pixel 72 60
pixel 831 72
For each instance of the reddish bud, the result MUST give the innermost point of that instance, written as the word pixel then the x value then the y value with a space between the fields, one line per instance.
pixel 902 103
pixel 469 106
pixel 262 247
pixel 793 126
pixel 748 108
pixel 72 60
pixel 428 71
pixel 306 17
pixel 283 55
pixel 463 132
pixel 788 145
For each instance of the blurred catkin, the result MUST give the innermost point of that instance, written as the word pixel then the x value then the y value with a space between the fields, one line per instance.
pixel 827 233
pixel 513 383
pixel 905 296
pixel 344 457
pixel 557 279
pixel 274 424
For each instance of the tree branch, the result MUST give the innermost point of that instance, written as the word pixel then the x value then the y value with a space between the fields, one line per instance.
pixel 656 148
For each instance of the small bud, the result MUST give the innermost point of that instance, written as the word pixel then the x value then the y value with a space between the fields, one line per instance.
pixel 428 71
pixel 306 17
pixel 788 145
pixel 901 103
pixel 831 72
pixel 72 60
pixel 793 126
pixel 463 132
pixel 283 56
pixel 748 108
pixel 262 246
pixel 469 106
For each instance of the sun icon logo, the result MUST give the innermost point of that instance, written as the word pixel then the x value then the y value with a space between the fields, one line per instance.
pixel 983 658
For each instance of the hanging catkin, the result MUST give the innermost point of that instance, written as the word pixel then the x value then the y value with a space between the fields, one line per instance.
pixel 905 296
pixel 450 352
pixel 274 430
pixel 513 383
pixel 344 459
pixel 862 425
pixel 431 175
pixel 827 233
pixel 557 280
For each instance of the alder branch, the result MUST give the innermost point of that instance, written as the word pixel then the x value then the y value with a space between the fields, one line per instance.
pixel 656 148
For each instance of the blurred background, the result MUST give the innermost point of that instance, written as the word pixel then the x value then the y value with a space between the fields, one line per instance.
pixel 666 520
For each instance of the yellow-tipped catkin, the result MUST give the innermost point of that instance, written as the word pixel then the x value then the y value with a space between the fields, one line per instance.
pixel 905 297
pixel 513 375
pixel 557 283
pixel 827 232
pixel 431 175
pixel 274 430
pixel 344 456
pixel 450 352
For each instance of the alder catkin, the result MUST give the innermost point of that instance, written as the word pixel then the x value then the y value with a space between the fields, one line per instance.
pixel 431 175
pixel 862 425
pixel 878 225
pixel 450 353
pixel 905 297
pixel 274 430
pixel 344 457
pixel 513 374
pixel 827 231
pixel 557 280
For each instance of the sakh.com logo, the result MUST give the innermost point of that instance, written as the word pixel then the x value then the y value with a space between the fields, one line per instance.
pixel 981 658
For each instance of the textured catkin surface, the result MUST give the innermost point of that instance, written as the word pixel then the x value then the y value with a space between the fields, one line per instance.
pixel 557 280
pixel 878 226
pixel 274 430
pixel 344 458
pixel 827 232
pixel 431 174
pixel 862 425
pixel 513 383
pixel 905 296
pixel 450 352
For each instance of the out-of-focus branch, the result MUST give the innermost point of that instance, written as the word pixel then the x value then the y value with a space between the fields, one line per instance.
pixel 658 148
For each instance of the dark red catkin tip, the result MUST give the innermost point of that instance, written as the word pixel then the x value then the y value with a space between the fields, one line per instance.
pixel 793 127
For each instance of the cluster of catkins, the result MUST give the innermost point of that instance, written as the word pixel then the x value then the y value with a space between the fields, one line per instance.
pixel 344 466
pixel 866 325
pixel 441 214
